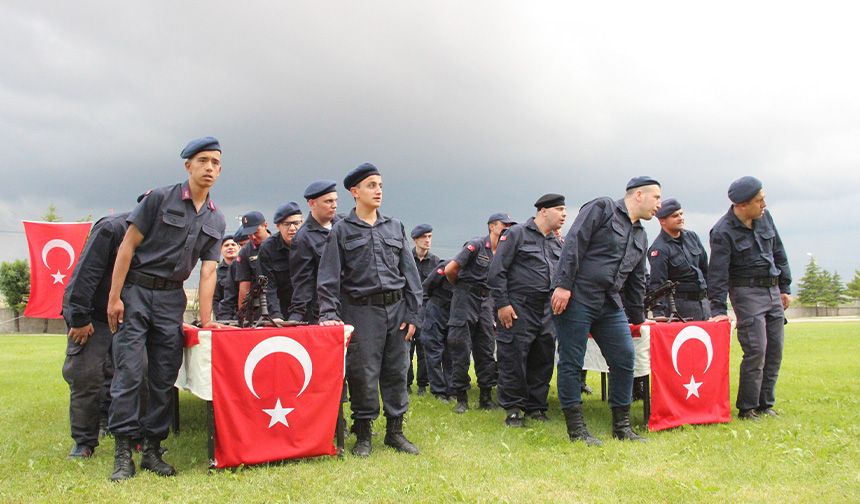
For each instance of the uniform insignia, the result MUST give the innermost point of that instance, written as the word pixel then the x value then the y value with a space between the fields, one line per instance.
pixel 470 247
pixel 503 237
pixel 487 245
pixel 440 271
pixel 655 253
pixel 238 258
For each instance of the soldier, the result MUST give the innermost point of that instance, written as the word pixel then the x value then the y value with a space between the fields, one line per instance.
pixel 229 251
pixel 434 332
pixel 519 279
pixel 307 249
pixel 275 259
pixel 88 366
pixel 168 232
pixel 248 267
pixel 678 255
pixel 426 261
pixel 229 304
pixel 749 262
pixel 470 328
pixel 367 278
pixel 599 288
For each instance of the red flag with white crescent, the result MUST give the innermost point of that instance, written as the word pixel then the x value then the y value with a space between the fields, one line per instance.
pixel 54 251
pixel 689 374
pixel 276 392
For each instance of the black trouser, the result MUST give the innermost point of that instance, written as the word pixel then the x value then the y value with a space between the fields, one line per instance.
pixel 376 359
pixel 470 331
pixel 434 336
pixel 147 351
pixel 416 346
pixel 526 353
pixel 88 370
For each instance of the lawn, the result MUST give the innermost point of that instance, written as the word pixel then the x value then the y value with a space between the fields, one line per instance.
pixel 808 454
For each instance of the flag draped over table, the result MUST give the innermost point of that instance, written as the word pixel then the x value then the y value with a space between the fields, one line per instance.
pixel 689 374
pixel 54 251
pixel 276 392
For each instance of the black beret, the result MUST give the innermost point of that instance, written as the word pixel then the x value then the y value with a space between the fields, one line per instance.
pixel 358 174
pixel 641 181
pixel 668 207
pixel 421 229
pixel 285 210
pixel 227 237
pixel 744 189
pixel 320 187
pixel 200 145
pixel 550 200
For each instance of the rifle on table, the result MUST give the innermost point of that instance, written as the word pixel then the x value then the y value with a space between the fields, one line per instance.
pixel 256 302
pixel 666 289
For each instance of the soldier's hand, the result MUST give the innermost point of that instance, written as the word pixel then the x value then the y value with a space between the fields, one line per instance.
pixel 410 330
pixel 331 322
pixel 786 301
pixel 212 325
pixel 115 312
pixel 560 298
pixel 507 315
pixel 80 335
pixel 719 318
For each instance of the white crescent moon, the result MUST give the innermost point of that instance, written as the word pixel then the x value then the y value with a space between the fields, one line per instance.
pixel 57 243
pixel 692 333
pixel 273 345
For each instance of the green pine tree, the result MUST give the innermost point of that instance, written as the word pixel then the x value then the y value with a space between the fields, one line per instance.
pixel 812 285
pixel 835 294
pixel 853 290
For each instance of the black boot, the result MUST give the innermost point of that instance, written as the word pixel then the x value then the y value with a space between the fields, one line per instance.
pixel 513 418
pixel 362 446
pixel 394 436
pixel 621 425
pixel 485 400
pixel 151 459
pixel 123 465
pixel 576 429
pixel 462 403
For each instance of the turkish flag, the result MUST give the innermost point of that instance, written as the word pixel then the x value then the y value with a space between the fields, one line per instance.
pixel 689 374
pixel 54 251
pixel 276 392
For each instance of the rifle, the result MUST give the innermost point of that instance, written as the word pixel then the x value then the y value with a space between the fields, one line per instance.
pixel 666 289
pixel 255 300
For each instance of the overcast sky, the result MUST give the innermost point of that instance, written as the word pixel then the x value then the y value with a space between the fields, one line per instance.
pixel 467 108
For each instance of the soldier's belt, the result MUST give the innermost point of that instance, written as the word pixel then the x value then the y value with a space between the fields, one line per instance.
pixel 754 281
pixel 473 287
pixel 692 296
pixel 152 282
pixel 380 299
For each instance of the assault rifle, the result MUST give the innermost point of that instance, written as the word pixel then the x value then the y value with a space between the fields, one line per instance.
pixel 666 289
pixel 255 310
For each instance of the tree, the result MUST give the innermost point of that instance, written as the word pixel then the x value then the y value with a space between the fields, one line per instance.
pixel 15 286
pixel 813 284
pixel 835 293
pixel 853 290
pixel 51 215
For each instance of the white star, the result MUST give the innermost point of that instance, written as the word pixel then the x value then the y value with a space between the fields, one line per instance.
pixel 278 414
pixel 58 278
pixel 692 387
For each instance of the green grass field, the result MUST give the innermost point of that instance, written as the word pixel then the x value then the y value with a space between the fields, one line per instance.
pixel 809 454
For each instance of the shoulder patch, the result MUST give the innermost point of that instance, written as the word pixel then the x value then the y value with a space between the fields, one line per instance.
pixel 470 247
pixel 655 253
pixel 440 271
pixel 503 237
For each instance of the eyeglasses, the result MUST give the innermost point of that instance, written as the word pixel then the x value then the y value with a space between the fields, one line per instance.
pixel 290 224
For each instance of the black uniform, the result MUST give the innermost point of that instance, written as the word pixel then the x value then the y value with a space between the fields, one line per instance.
pixel 248 268
pixel 307 249
pixel 222 275
pixel 274 259
pixel 425 266
pixel 685 261
pixel 520 276
pixel 367 278
pixel 752 266
pixel 434 330
pixel 88 368
pixel 176 236
pixel 470 327
pixel 226 308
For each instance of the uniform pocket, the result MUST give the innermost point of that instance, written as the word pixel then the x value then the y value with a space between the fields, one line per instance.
pixel 392 248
